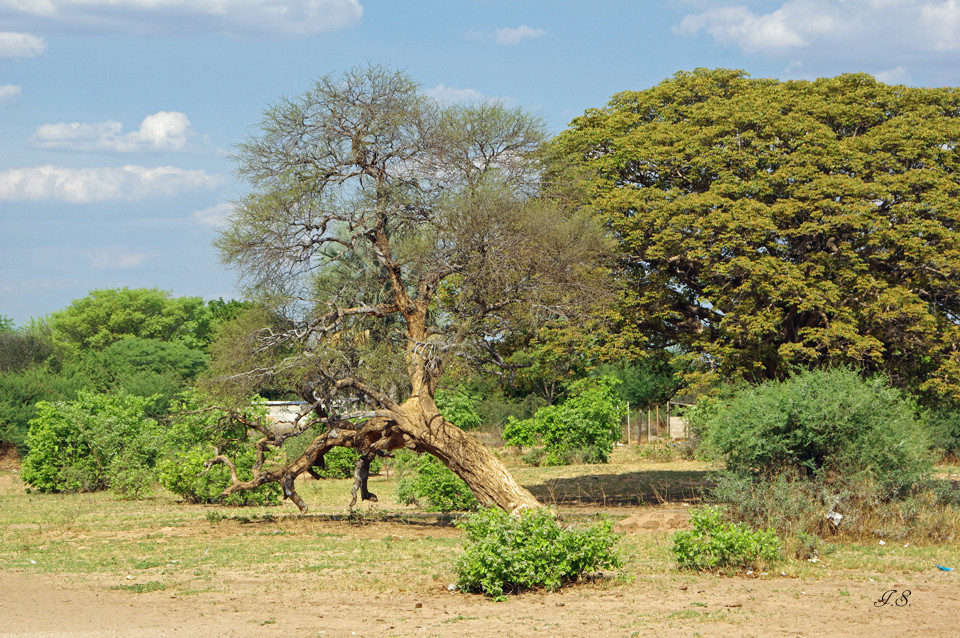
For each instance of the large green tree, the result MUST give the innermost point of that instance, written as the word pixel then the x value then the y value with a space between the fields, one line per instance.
pixel 109 315
pixel 766 225
pixel 389 236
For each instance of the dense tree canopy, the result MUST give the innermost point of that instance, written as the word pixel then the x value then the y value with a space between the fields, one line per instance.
pixel 767 224
pixel 390 235
pixel 106 316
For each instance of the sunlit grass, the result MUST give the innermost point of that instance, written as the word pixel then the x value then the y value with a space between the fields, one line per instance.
pixel 162 544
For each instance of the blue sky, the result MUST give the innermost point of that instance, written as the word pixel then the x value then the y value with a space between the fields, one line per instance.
pixel 117 117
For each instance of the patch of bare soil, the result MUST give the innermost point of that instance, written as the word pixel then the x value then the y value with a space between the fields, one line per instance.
pixel 658 520
pixel 43 606
pixel 9 459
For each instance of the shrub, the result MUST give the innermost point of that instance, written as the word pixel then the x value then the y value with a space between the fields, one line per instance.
pixel 713 544
pixel 507 553
pixel 822 423
pixel 659 451
pixel 424 481
pixel 340 463
pixel 583 428
pixel 459 408
pixel 800 509
pixel 193 438
pixel 942 424
pixel 95 442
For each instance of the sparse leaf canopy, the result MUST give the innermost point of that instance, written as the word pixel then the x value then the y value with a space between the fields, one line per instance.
pixel 388 234
pixel 772 224
pixel 384 226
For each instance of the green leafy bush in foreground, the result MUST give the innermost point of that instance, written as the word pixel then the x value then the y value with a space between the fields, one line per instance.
pixel 715 545
pixel 507 553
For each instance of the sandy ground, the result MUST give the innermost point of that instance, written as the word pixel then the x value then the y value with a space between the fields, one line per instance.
pixel 46 606
pixel 84 606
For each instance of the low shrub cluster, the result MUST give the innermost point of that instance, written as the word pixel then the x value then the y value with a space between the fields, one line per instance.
pixel 107 441
pixel 193 435
pixel 582 429
pixel 95 442
pixel 714 544
pixel 507 553
pixel 829 454
pixel 424 481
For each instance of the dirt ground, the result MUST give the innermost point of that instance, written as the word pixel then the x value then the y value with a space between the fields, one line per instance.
pixel 41 606
pixel 72 605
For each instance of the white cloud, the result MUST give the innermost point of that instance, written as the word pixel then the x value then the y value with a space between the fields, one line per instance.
pixel 898 40
pixel 793 25
pixel 20 45
pixel 506 35
pixel 899 75
pixel 9 94
pixel 84 185
pixel 451 95
pixel 942 22
pixel 163 131
pixel 519 34
pixel 242 18
pixel 215 216
pixel 107 259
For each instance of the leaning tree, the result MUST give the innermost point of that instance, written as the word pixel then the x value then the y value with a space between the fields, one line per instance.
pixel 388 236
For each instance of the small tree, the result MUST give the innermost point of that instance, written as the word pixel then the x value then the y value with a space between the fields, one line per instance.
pixel 585 427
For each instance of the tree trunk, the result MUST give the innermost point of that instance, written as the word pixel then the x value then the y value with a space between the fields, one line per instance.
pixel 484 474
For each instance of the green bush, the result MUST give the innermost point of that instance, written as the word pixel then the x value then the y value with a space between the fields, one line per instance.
pixel 424 481
pixel 821 423
pixel 340 463
pixel 583 428
pixel 942 424
pixel 192 439
pixel 95 442
pixel 507 553
pixel 715 545
pixel 459 408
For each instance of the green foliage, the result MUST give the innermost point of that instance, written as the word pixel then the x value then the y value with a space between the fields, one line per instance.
pixel 144 367
pixel 424 481
pixel 584 427
pixel 95 442
pixel 942 423
pixel 654 380
pixel 7 325
pixel 459 408
pixel 22 350
pixel 340 463
pixel 821 423
pixel 106 316
pixel 196 433
pixel 766 225
pixel 713 544
pixel 20 392
pixel 506 553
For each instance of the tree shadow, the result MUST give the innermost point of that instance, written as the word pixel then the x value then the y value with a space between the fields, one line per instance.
pixel 652 487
